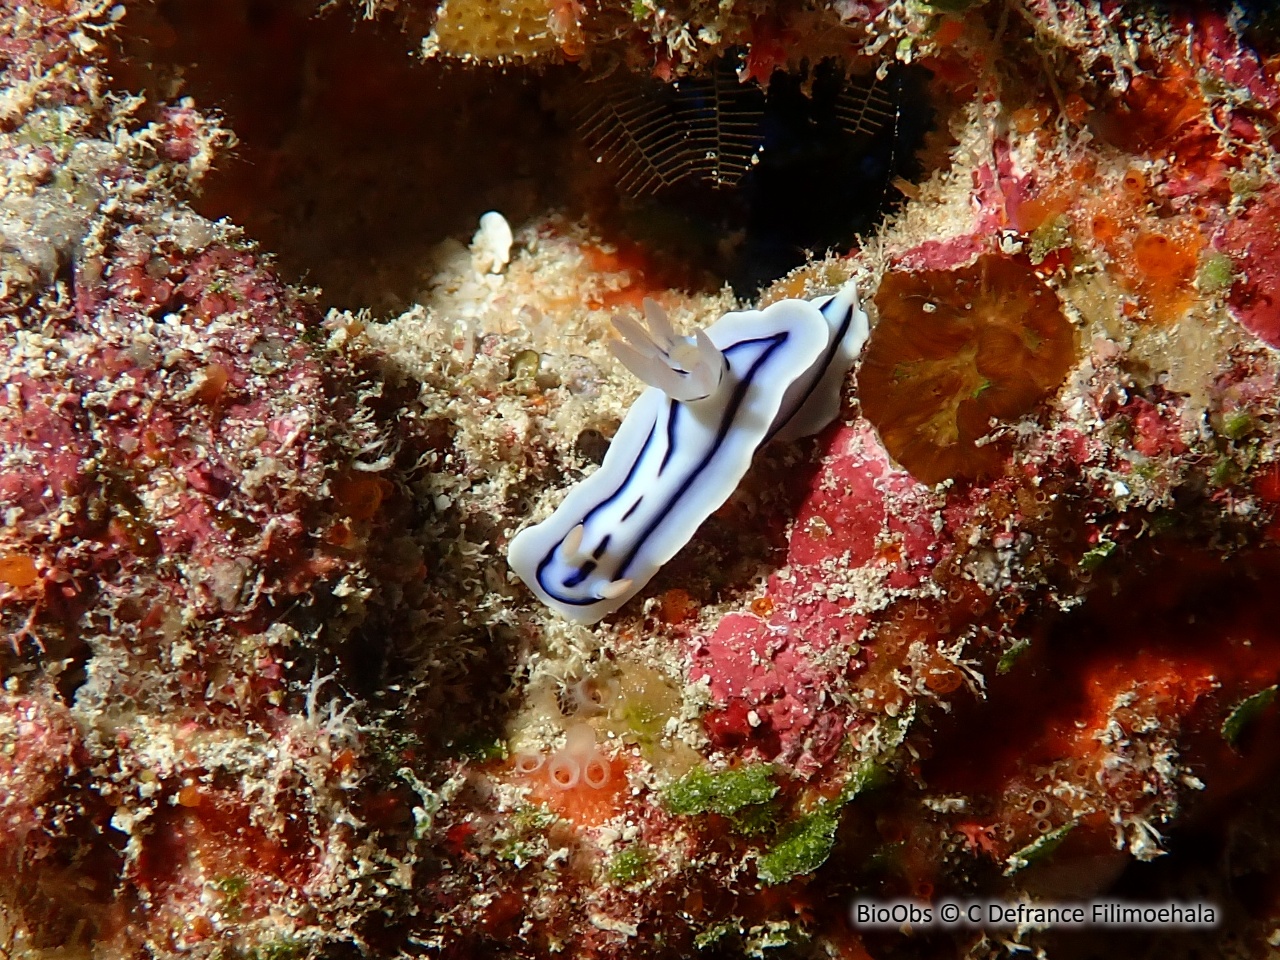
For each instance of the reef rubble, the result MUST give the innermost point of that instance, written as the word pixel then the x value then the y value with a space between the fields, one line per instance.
pixel 1001 631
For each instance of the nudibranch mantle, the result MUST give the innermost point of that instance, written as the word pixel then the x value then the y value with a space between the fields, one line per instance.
pixel 750 376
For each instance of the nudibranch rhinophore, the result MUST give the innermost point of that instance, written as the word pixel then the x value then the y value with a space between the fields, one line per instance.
pixel 714 399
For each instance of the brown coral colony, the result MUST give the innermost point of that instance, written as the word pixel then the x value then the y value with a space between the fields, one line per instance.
pixel 955 350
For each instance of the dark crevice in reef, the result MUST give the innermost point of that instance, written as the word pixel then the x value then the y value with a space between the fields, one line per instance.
pixel 748 181
pixel 355 158
pixel 817 187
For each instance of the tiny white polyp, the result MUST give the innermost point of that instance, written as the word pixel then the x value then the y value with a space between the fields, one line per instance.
pixel 674 462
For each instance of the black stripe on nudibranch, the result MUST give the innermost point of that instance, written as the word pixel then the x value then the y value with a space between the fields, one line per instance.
pixel 549 556
pixel 584 571
pixel 821 367
pixel 728 415
pixel 673 411
pixel 727 418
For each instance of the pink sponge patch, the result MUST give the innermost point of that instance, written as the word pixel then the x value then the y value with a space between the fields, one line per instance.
pixel 772 690
pixel 842 521
pixel 40 434
pixel 39 749
pixel 783 680
pixel 1252 240
pixel 862 509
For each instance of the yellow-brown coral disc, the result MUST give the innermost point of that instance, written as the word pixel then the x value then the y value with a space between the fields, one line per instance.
pixel 954 349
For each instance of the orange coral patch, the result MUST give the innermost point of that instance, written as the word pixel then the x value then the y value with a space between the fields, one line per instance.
pixel 1035 213
pixel 359 496
pixel 1164 113
pixel 948 33
pixel 213 384
pixel 18 570
pixel 582 804
pixel 1027 119
pixel 1164 270
pixel 675 605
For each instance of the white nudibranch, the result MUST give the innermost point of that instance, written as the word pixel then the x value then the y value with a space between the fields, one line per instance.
pixel 714 399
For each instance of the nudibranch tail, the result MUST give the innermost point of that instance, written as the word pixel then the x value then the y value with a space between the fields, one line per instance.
pixel 714 400
pixel 684 368
pixel 814 399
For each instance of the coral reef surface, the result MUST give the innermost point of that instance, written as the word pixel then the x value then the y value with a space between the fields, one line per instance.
pixel 1000 632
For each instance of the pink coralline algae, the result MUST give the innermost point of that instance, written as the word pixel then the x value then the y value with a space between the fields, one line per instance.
pixel 49 419
pixel 1252 241
pixel 162 433
pixel 167 446
pixel 782 684
pixel 39 748
pixel 860 507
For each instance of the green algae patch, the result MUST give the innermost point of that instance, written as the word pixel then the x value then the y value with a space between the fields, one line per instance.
pixel 802 848
pixel 726 792
pixel 231 891
pixel 804 844
pixel 630 865
pixel 1010 656
pixel 1053 234
pixel 756 820
pixel 1246 713
pixel 1038 849
pixel 1238 424
pixel 1096 555
pixel 643 719
pixel 285 948
pixel 1216 274
pixel 55 129
pixel 1225 472
pixel 867 775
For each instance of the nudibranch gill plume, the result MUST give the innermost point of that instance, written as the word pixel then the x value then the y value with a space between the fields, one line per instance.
pixel 714 399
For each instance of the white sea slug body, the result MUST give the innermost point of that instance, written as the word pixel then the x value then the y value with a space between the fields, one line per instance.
pixel 682 449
